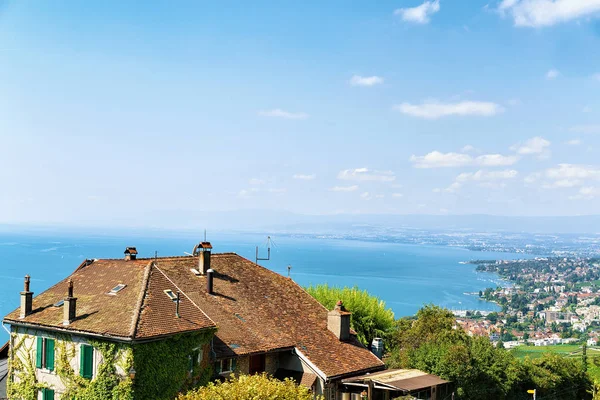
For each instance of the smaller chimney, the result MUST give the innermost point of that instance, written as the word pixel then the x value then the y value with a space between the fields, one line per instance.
pixel 130 253
pixel 26 299
pixel 338 321
pixel 203 250
pixel 209 281
pixel 69 306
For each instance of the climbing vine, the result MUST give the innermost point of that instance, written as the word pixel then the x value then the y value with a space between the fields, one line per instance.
pixel 163 367
pixel 108 384
pixel 23 383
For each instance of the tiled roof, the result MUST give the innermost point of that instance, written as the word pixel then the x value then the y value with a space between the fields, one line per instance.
pixel 255 310
pixel 258 310
pixel 135 312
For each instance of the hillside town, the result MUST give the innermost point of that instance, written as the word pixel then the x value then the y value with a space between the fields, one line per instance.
pixel 547 301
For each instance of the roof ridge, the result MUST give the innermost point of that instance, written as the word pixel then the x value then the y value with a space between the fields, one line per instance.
pixel 181 291
pixel 138 307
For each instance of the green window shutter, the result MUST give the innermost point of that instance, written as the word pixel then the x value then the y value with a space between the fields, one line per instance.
pixel 86 361
pixel 218 367
pixel 39 351
pixel 50 356
pixel 47 394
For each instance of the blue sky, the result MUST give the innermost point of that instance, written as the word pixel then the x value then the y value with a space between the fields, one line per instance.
pixel 118 110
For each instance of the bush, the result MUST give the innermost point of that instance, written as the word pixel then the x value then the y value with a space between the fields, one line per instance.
pixel 370 317
pixel 250 387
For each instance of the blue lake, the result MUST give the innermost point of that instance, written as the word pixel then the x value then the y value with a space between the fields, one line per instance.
pixel 405 276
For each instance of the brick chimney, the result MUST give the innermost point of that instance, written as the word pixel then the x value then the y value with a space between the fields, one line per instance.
pixel 26 299
pixel 70 306
pixel 203 251
pixel 338 321
pixel 130 253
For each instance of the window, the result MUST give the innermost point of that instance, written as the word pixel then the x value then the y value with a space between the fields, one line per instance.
pixel 44 355
pixel 117 289
pixel 171 295
pixel 195 359
pixel 225 366
pixel 47 394
pixel 86 361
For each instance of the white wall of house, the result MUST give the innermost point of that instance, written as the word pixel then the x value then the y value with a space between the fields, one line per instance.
pixel 26 352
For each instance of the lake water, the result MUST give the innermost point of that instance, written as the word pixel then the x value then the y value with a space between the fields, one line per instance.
pixel 405 276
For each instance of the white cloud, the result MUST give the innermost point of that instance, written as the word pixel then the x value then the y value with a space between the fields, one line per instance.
pixel 304 177
pixel 552 74
pixel 537 13
pixel 279 113
pixel 434 110
pixel 469 149
pixel 591 129
pixel 573 142
pixel 483 176
pixel 364 174
pixel 397 195
pixel 247 192
pixel 256 181
pixel 436 159
pixel 586 193
pixel 570 171
pixel 352 188
pixel 358 80
pixel 495 160
pixel 420 14
pixel 536 145
pixel 365 195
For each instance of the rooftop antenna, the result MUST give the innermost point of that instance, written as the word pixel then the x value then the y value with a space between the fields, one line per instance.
pixel 268 251
pixel 289 269
pixel 205 235
pixel 155 256
pixel 177 305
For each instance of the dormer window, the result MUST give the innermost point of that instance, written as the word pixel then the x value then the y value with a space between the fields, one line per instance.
pixel 117 289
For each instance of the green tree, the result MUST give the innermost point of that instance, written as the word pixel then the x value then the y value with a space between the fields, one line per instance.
pixel 370 316
pixel 250 387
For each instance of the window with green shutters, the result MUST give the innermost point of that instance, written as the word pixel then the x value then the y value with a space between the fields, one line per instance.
pixel 44 355
pixel 47 394
pixel 86 361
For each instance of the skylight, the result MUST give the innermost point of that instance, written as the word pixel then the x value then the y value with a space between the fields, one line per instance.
pixel 195 271
pixel 117 289
pixel 59 303
pixel 171 295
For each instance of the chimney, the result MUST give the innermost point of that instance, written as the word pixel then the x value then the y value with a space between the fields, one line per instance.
pixel 130 253
pixel 203 250
pixel 70 306
pixel 338 321
pixel 209 281
pixel 26 299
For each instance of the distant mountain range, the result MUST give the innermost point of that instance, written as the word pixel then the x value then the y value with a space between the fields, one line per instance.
pixel 281 221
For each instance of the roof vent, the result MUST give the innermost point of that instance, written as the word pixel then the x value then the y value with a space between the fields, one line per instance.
pixel 130 253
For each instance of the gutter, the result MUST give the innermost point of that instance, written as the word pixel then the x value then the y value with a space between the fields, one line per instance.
pixel 6 329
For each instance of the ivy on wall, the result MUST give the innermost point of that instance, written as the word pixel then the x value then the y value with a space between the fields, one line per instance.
pixel 163 367
pixel 107 384
pixel 23 383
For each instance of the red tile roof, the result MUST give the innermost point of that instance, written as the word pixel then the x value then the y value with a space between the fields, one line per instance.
pixel 255 310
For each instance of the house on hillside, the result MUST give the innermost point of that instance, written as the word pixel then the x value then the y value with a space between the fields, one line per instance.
pixel 148 328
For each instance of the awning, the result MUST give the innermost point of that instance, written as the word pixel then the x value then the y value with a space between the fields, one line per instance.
pixel 405 380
